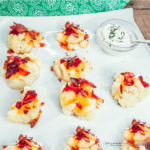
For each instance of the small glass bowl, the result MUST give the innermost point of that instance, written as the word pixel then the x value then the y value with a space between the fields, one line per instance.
pixel 113 49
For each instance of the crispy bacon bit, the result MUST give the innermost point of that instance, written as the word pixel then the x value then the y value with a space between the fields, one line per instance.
pixel 39 148
pixel 25 111
pixel 10 51
pixel 74 82
pixel 4 146
pixel 136 127
pixel 71 61
pixel 86 36
pixel 94 96
pixel 23 72
pixel 74 89
pixel 42 103
pixel 84 93
pixel 52 68
pixel 13 67
pixel 29 97
pixel 23 142
pixel 70 29
pixel 84 81
pixel 17 29
pixel 34 122
pixel 79 106
pixel 81 134
pixel 42 44
pixel 59 80
pixel 97 141
pixel 145 84
pixel 25 60
pixel 121 88
pixel 18 105
pixel 128 78
pixel 22 91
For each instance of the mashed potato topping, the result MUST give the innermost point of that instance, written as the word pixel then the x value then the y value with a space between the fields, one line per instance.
pixel 83 140
pixel 72 35
pixel 24 143
pixel 22 40
pixel 137 137
pixel 21 70
pixel 78 99
pixel 129 90
pixel 27 109
pixel 67 67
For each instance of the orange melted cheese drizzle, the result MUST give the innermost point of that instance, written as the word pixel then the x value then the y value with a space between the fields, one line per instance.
pixel 26 107
pixel 80 100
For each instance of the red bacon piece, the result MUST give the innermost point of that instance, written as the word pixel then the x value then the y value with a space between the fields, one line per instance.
pixel 81 135
pixel 25 60
pixel 4 146
pixel 74 89
pixel 94 96
pixel 79 106
pixel 84 93
pixel 145 84
pixel 17 29
pixel 23 72
pixel 84 81
pixel 52 68
pixel 86 36
pixel 10 51
pixel 42 44
pixel 18 105
pixel 136 127
pixel 121 88
pixel 29 97
pixel 33 34
pixel 42 103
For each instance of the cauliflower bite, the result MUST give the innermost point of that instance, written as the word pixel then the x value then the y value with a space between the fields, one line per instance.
pixel 27 109
pixel 83 140
pixel 78 99
pixel 24 143
pixel 21 70
pixel 21 40
pixel 137 137
pixel 72 35
pixel 129 90
pixel 71 67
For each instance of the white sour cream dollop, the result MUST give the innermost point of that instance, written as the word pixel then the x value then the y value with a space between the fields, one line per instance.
pixel 117 35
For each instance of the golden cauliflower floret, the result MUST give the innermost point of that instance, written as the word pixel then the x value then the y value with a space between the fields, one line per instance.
pixel 71 67
pixel 21 70
pixel 21 40
pixel 137 137
pixel 27 109
pixel 129 90
pixel 77 99
pixel 72 35
pixel 83 140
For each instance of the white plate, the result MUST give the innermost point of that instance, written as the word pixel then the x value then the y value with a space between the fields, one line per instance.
pixel 53 127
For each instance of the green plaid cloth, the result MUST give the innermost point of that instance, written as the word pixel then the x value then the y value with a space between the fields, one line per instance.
pixel 57 7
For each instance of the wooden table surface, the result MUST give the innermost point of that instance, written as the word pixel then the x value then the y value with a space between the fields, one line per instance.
pixel 141 15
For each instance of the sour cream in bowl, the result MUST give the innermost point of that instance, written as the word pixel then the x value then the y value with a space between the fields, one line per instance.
pixel 115 36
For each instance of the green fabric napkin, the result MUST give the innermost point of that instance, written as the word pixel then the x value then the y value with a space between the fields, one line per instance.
pixel 57 7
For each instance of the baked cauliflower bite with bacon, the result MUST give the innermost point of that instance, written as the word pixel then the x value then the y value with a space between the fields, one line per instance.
pixel 78 99
pixel 129 90
pixel 22 40
pixel 27 110
pixel 71 36
pixel 71 67
pixel 83 140
pixel 21 70
pixel 24 143
pixel 137 137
